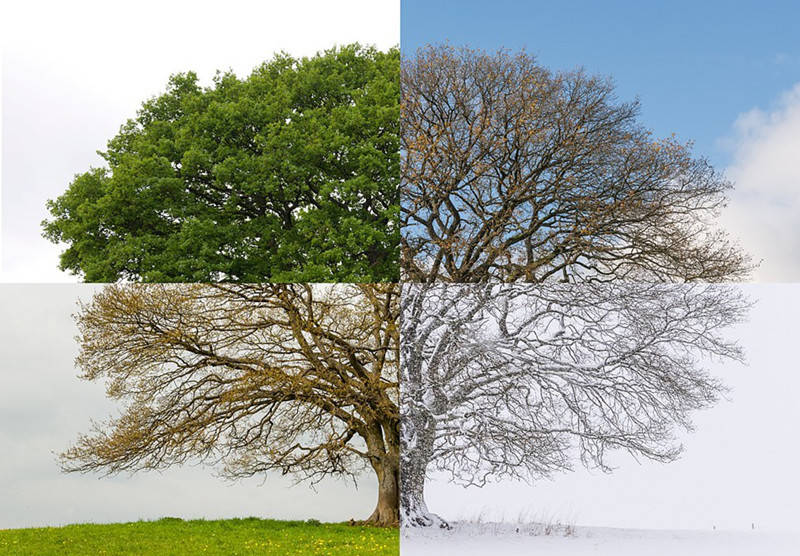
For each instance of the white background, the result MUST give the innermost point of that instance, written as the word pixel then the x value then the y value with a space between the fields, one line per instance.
pixel 73 72
pixel 739 466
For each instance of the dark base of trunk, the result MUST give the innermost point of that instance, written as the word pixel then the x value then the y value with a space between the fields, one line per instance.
pixel 423 518
pixel 382 517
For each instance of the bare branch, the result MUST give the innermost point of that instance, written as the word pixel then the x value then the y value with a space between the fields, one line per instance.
pixel 514 173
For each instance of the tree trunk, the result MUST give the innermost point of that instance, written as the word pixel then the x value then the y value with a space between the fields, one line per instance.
pixel 413 509
pixel 383 445
pixel 416 440
pixel 386 512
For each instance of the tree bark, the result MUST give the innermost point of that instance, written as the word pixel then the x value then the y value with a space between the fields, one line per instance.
pixel 417 449
pixel 414 509
pixel 384 449
pixel 386 512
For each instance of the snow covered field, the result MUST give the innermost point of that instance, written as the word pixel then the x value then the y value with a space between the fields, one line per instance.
pixel 469 538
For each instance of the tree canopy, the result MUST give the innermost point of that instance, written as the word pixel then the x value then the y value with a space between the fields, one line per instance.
pixel 298 379
pixel 513 172
pixel 521 380
pixel 288 175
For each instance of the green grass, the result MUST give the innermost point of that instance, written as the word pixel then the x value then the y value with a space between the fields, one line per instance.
pixel 172 536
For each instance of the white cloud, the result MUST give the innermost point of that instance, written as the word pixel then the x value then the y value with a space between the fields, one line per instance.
pixel 765 206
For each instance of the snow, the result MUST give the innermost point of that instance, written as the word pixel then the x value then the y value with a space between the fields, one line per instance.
pixel 473 538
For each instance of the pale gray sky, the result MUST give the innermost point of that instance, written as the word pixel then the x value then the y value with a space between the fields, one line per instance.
pixel 739 466
pixel 44 406
pixel 73 72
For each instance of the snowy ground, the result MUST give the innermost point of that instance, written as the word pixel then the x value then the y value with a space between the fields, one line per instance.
pixel 470 538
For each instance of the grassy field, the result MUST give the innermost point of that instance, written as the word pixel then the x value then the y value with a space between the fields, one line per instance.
pixel 229 537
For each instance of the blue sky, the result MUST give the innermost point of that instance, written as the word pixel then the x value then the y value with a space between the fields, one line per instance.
pixel 695 66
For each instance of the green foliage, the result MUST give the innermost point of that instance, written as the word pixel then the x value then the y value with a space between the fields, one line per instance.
pixel 171 536
pixel 289 175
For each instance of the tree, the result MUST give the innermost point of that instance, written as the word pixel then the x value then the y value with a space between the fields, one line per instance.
pixel 300 379
pixel 518 380
pixel 288 175
pixel 515 173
